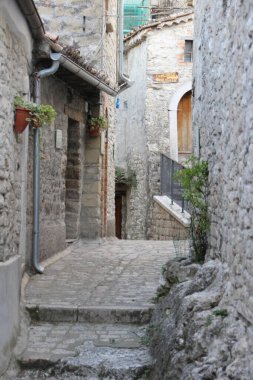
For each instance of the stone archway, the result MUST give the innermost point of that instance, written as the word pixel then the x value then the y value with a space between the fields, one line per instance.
pixel 173 108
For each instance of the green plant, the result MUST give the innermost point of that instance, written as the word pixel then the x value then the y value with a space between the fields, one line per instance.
pixel 223 313
pixel 161 292
pixel 149 334
pixel 194 181
pixel 126 177
pixel 209 320
pixel 100 122
pixel 40 114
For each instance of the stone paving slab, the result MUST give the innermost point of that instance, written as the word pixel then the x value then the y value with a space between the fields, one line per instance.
pixel 91 314
pixel 115 273
pixel 86 348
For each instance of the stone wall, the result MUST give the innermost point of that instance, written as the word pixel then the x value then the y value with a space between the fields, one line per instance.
pixel 78 23
pixel 224 116
pixel 15 65
pixel 131 144
pixel 109 109
pixel 164 226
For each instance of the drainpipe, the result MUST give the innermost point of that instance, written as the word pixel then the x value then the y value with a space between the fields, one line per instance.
pixel 55 57
pixel 122 77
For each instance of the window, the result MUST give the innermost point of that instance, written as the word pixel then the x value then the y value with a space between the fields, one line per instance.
pixel 188 50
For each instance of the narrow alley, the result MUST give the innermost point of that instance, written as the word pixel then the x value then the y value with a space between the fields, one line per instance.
pixel 126 190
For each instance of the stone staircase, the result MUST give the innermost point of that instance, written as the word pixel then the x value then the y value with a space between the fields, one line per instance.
pixel 89 312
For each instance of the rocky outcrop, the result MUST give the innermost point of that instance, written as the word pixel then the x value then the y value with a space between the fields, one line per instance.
pixel 195 333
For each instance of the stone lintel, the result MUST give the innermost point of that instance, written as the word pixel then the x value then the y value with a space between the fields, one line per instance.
pixel 74 113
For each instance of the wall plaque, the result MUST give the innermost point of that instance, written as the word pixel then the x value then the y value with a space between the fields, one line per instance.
pixel 58 139
pixel 166 77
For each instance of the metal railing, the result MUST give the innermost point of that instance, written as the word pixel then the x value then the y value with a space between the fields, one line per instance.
pixel 169 185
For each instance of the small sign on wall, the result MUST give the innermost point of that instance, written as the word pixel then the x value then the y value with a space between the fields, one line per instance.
pixel 58 139
pixel 166 77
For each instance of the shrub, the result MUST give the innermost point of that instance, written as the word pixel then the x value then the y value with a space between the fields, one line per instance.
pixel 194 181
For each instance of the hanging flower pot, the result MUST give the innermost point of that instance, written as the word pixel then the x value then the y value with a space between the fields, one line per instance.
pixel 35 114
pixel 95 124
pixel 21 116
pixel 94 130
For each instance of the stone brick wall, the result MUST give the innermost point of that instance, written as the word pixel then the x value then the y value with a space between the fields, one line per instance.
pixel 109 109
pixel 15 65
pixel 224 115
pixel 79 24
pixel 164 226
pixel 15 59
pixel 176 3
pixel 84 25
pixel 131 144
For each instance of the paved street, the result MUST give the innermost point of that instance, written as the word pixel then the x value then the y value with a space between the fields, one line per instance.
pixel 115 273
pixel 90 310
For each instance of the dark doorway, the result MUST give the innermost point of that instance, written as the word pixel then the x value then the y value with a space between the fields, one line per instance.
pixel 118 216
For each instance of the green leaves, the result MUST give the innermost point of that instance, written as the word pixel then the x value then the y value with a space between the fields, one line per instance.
pixel 126 177
pixel 194 181
pixel 100 121
pixel 40 113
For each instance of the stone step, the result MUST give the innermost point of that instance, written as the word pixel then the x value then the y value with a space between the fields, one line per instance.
pixel 91 314
pixel 89 351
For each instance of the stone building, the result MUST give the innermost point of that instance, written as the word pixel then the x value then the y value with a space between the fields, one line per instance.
pixel 76 170
pixel 154 116
pixel 91 29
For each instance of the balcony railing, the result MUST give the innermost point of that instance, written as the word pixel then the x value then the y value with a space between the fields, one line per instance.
pixel 169 185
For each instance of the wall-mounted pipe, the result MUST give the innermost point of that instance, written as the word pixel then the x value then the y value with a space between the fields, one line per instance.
pixel 36 165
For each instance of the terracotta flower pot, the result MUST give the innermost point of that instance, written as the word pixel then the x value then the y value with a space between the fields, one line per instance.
pixel 21 123
pixel 94 131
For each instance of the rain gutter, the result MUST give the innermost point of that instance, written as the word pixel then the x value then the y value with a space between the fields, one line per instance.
pixel 33 19
pixel 79 71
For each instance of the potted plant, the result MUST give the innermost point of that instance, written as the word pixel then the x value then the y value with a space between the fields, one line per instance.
pixel 95 124
pixel 36 114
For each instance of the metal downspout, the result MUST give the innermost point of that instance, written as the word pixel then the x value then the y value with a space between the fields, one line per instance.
pixel 126 81
pixel 36 165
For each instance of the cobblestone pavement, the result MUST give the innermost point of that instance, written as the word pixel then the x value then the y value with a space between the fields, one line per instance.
pixel 112 273
pixel 109 284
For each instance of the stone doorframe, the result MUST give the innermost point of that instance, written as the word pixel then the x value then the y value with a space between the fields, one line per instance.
pixel 173 106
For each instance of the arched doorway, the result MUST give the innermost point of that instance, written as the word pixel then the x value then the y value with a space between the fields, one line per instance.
pixel 184 127
pixel 173 117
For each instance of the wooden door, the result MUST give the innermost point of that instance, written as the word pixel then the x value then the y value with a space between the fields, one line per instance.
pixel 184 124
